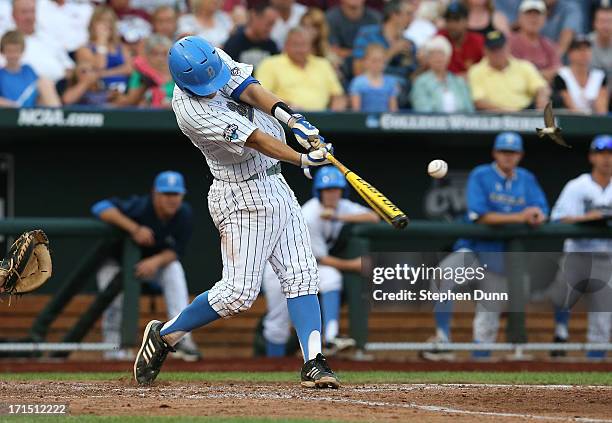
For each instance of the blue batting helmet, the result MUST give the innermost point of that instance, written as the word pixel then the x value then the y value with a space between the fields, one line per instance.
pixel 602 143
pixel 196 66
pixel 328 177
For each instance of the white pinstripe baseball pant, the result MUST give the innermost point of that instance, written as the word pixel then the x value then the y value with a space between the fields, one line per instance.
pixel 259 221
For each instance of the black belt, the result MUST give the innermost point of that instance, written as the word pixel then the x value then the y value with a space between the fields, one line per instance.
pixel 272 170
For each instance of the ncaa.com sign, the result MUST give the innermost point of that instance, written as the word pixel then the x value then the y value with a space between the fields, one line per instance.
pixel 59 118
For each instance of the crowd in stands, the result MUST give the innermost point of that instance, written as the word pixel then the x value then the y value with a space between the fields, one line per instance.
pixel 365 55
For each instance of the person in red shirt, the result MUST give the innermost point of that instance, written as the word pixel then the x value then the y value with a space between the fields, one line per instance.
pixel 468 46
pixel 528 44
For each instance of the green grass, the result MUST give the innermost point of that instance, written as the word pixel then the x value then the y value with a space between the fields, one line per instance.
pixel 527 378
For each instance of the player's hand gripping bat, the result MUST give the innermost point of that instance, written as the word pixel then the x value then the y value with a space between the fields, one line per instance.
pixel 377 201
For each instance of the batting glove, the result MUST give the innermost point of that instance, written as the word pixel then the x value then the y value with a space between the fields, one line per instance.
pixel 317 157
pixel 305 132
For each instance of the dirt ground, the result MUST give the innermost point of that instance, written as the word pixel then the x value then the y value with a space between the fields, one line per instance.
pixel 371 403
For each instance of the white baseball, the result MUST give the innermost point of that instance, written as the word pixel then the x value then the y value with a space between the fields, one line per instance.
pixel 437 169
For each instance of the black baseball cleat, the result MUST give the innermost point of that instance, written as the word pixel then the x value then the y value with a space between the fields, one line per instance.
pixel 558 353
pixel 316 373
pixel 151 355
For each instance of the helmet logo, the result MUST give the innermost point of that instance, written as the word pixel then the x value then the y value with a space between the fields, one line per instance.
pixel 211 72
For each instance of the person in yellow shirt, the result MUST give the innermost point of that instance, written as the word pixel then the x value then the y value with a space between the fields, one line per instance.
pixel 304 81
pixel 502 83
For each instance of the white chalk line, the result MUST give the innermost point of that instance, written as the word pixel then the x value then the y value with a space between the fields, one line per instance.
pixel 422 407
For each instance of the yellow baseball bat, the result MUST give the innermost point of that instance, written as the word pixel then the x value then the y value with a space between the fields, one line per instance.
pixel 377 201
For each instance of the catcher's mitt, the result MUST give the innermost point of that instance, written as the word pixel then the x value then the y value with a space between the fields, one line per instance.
pixel 28 264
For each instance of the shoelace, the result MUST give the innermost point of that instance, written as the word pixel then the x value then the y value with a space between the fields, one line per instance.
pixel 323 363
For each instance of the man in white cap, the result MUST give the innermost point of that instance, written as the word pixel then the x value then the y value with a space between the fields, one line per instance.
pixel 528 44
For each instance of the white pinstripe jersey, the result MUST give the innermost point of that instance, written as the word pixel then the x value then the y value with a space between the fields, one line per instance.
pixel 220 126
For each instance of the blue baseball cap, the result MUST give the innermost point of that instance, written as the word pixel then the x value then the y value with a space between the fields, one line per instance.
pixel 602 143
pixel 508 141
pixel 170 182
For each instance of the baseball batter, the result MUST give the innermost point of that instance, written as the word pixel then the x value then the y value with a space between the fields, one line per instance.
pixel 325 214
pixel 234 122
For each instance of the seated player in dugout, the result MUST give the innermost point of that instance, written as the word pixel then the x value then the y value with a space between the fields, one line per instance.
pixel 161 223
pixel 326 214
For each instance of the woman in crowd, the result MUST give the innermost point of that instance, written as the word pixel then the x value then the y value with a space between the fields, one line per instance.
pixel 150 84
pixel 578 87
pixel 315 21
pixel 110 59
pixel 164 22
pixel 206 20
pixel 438 90
pixel 483 18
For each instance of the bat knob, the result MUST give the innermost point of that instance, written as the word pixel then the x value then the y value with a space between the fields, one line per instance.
pixel 400 222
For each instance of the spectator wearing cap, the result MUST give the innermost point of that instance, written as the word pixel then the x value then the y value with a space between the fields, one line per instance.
pixel 503 83
pixel 345 20
pixel 111 60
pixel 400 52
pixel 601 40
pixel 252 43
pixel 564 20
pixel 581 88
pixel 527 43
pixel 208 21
pixel 164 21
pixel 587 198
pixel 303 80
pixel 20 86
pixel 43 53
pixel 290 12
pixel 439 90
pixel 161 223
pixel 499 193
pixel 468 46
pixel 483 18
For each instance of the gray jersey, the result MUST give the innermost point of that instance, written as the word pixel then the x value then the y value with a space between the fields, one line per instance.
pixel 220 126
